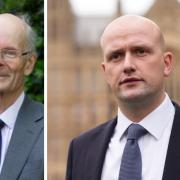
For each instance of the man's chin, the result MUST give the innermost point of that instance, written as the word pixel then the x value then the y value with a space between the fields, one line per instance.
pixel 4 89
pixel 131 97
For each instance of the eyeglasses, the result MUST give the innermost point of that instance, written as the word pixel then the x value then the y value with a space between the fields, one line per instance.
pixel 10 54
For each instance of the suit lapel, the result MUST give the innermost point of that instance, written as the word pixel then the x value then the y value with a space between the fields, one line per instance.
pixel 171 169
pixel 97 151
pixel 26 130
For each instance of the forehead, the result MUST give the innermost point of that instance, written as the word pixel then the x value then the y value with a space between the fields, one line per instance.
pixel 130 26
pixel 129 40
pixel 129 33
pixel 11 32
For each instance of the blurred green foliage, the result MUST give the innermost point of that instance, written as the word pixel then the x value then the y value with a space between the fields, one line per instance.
pixel 34 9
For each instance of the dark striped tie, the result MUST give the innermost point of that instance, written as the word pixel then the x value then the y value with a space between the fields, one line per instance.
pixel 131 163
pixel 1 126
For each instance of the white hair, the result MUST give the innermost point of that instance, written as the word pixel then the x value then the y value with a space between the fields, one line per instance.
pixel 30 35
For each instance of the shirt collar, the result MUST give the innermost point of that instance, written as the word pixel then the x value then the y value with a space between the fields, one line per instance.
pixel 122 124
pixel 9 116
pixel 155 122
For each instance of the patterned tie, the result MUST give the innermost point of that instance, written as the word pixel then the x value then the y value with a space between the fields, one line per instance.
pixel 1 126
pixel 131 164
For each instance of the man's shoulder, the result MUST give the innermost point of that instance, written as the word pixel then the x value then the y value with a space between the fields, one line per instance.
pixel 32 110
pixel 97 131
pixel 177 109
pixel 176 105
pixel 37 106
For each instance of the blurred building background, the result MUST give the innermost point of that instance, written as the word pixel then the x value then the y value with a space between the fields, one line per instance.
pixel 78 96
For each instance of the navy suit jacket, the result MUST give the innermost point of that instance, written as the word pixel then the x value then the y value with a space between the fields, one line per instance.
pixel 87 152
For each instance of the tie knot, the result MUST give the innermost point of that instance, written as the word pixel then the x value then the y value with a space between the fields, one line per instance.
pixel 1 124
pixel 135 131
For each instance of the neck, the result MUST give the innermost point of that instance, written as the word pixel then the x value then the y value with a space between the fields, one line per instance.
pixel 136 111
pixel 7 99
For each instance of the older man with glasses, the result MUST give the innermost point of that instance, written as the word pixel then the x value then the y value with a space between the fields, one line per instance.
pixel 21 119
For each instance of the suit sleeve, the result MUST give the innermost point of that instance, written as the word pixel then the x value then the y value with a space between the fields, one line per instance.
pixel 69 168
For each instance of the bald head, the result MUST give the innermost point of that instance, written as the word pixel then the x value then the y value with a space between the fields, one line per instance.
pixel 17 30
pixel 131 24
pixel 13 27
pixel 11 18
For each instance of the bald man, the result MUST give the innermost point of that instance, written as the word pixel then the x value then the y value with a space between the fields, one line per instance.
pixel 21 119
pixel 142 142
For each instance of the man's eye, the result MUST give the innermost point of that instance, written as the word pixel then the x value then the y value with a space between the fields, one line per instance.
pixel 9 53
pixel 116 56
pixel 140 52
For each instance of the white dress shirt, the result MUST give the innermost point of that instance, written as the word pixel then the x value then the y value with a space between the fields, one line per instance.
pixel 153 145
pixel 9 117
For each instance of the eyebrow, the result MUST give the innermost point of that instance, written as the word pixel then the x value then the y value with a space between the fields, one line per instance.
pixel 133 47
pixel 108 55
pixel 145 46
pixel 10 48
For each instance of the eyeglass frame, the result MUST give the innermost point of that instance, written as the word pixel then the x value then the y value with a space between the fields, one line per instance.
pixel 18 54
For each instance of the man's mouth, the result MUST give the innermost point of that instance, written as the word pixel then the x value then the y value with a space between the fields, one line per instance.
pixel 130 80
pixel 3 75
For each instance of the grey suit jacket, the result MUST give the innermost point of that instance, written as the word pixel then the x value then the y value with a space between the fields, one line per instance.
pixel 24 159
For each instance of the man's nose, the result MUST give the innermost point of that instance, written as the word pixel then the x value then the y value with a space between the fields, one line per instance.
pixel 129 64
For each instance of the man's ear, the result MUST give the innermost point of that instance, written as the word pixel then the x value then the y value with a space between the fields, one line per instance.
pixel 168 61
pixel 29 66
pixel 103 67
